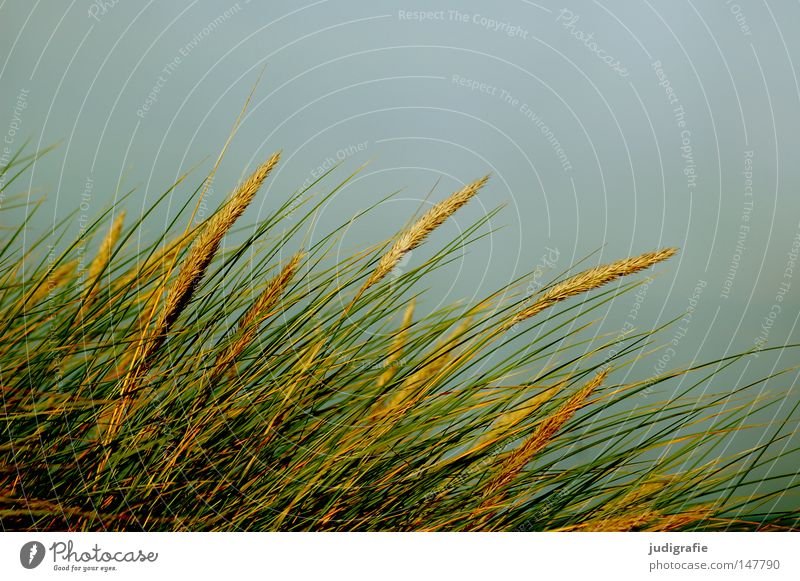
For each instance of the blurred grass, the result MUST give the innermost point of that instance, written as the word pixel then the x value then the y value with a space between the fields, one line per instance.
pixel 297 390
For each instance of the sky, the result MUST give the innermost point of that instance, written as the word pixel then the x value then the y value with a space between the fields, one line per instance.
pixel 609 129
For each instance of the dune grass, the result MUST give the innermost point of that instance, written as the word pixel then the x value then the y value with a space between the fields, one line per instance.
pixel 191 383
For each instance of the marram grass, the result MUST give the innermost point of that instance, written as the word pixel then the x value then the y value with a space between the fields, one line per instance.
pixel 194 384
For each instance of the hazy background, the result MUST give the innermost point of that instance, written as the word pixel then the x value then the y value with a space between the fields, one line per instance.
pixel 586 155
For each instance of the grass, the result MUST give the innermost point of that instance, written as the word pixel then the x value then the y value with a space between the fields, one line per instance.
pixel 194 383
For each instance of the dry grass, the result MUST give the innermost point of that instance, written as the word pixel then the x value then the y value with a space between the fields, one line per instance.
pixel 417 233
pixel 541 437
pixel 589 280
pixel 205 248
pixel 100 262
pixel 261 309
pixel 151 410
pixel 194 266
pixel 396 353
pixel 60 275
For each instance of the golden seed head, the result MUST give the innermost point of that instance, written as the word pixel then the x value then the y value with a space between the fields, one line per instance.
pixel 57 277
pixel 258 311
pixel 417 233
pixel 589 280
pixel 398 345
pixel 540 438
pixel 100 262
pixel 207 243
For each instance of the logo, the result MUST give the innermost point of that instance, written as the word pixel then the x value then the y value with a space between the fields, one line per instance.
pixel 31 554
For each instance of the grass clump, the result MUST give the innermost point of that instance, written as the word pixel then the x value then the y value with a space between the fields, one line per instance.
pixel 192 385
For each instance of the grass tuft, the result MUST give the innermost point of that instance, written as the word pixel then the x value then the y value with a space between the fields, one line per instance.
pixel 220 377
